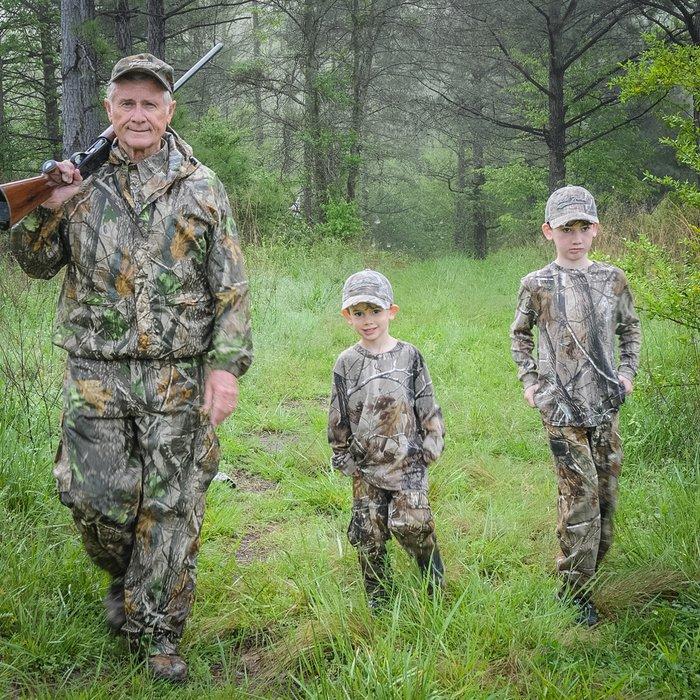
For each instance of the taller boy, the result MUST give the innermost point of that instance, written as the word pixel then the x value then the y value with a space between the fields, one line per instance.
pixel 579 306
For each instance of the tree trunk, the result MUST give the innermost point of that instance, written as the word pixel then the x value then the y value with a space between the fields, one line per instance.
pixel 480 243
pixel 314 171
pixel 50 91
pixel 155 9
pixel 357 106
pixel 556 133
pixel 257 93
pixel 122 28
pixel 79 61
pixel 459 235
pixel 288 120
pixel 3 119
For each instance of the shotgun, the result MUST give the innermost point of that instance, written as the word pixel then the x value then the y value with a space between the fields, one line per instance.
pixel 19 198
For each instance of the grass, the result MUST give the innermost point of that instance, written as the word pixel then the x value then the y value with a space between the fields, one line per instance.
pixel 280 610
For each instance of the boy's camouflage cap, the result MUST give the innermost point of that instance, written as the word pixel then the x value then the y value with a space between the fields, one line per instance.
pixel 570 203
pixel 145 63
pixel 368 286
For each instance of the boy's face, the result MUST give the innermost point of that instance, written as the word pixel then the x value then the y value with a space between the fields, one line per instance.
pixel 573 240
pixel 369 321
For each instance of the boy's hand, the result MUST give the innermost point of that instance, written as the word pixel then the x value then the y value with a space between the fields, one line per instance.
pixel 529 395
pixel 629 387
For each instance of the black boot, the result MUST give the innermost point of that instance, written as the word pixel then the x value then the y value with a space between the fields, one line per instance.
pixel 586 613
pixel 376 580
pixel 114 606
pixel 433 569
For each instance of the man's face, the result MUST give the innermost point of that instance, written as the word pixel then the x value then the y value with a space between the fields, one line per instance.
pixel 139 115
pixel 573 240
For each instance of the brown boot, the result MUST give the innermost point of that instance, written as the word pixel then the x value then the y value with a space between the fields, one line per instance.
pixel 168 667
pixel 114 606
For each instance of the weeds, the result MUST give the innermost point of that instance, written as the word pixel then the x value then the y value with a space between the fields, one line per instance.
pixel 288 619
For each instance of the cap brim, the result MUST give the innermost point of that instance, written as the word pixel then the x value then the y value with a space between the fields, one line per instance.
pixel 143 71
pixel 574 216
pixel 367 299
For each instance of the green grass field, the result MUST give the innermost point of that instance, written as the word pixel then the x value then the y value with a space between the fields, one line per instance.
pixel 280 610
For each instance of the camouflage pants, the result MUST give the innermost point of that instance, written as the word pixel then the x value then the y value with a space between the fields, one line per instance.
pixel 136 460
pixel 377 514
pixel 587 463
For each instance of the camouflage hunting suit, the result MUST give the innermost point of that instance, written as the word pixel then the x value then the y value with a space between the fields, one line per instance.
pixel 385 428
pixel 587 463
pixel 154 294
pixel 578 314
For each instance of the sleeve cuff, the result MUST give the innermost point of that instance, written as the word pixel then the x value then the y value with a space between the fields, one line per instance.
pixel 627 371
pixel 344 463
pixel 529 380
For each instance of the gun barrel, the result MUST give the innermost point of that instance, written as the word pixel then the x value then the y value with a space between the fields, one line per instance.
pixel 205 59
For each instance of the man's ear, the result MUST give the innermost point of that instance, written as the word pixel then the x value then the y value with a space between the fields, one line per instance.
pixel 547 231
pixel 172 106
pixel 108 109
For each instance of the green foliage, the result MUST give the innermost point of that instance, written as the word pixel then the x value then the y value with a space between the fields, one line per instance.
pixel 341 221
pixel 280 610
pixel 665 287
pixel 664 67
pixel 613 168
pixel 260 202
pixel 93 34
pixel 414 212
pixel 661 67
pixel 518 192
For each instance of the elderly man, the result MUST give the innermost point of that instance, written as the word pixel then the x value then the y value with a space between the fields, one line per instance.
pixel 154 316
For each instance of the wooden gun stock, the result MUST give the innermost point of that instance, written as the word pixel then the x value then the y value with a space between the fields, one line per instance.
pixel 19 198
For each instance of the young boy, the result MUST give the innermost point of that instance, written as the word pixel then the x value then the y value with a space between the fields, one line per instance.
pixel 384 428
pixel 578 306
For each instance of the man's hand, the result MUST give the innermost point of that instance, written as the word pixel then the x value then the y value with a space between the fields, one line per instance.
pixel 529 395
pixel 629 387
pixel 220 395
pixel 68 179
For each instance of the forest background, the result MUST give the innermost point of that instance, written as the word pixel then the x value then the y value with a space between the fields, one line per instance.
pixel 423 137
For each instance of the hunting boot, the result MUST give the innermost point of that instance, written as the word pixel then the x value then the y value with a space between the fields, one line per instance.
pixel 114 606
pixel 374 573
pixel 168 667
pixel 586 613
pixel 433 569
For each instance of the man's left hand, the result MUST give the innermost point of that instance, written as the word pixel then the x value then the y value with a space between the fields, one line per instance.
pixel 220 395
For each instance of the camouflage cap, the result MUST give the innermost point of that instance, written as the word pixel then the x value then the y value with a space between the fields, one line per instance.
pixel 367 286
pixel 145 63
pixel 570 203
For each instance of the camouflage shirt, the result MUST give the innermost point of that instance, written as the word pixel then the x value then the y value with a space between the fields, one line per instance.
pixel 153 265
pixel 578 313
pixel 383 418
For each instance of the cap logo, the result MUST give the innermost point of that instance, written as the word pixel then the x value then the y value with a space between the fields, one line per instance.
pixel 573 200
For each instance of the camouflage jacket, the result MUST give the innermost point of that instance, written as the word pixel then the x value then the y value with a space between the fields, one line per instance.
pixel 383 418
pixel 153 265
pixel 578 313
